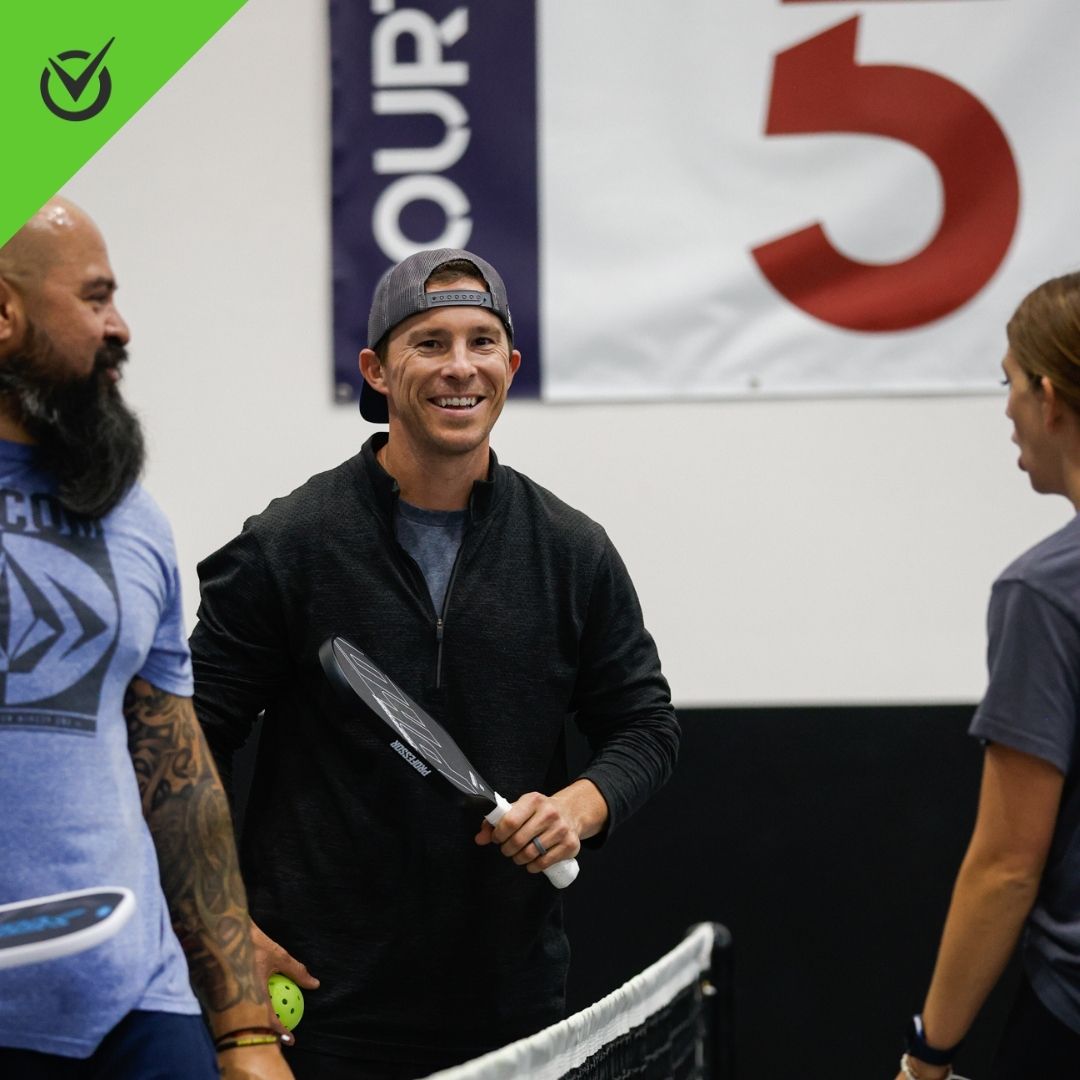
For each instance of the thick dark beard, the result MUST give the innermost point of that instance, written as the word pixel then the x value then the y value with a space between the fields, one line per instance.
pixel 87 436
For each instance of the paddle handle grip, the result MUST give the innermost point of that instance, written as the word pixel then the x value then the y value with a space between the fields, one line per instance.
pixel 560 874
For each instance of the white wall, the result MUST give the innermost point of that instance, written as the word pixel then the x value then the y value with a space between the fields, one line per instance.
pixel 785 552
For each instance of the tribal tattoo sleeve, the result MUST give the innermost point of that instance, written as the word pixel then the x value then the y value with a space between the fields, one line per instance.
pixel 188 815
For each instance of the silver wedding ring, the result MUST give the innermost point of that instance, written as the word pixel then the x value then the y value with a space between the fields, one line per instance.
pixel 539 847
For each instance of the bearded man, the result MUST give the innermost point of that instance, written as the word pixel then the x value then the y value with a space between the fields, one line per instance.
pixel 104 775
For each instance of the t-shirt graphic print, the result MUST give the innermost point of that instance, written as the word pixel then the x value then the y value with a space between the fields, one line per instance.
pixel 59 615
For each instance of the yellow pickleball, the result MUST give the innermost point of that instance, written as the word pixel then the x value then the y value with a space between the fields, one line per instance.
pixel 287 1000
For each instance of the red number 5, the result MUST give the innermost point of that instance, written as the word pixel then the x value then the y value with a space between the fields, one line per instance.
pixel 818 87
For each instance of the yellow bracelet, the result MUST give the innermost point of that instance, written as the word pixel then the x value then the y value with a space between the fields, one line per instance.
pixel 250 1040
pixel 249 1029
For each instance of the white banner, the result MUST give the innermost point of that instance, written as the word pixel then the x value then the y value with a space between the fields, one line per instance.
pixel 799 197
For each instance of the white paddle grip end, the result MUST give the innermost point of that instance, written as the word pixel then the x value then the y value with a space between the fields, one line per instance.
pixel 561 873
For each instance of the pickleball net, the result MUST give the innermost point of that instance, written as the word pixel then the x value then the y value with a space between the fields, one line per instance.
pixel 673 1021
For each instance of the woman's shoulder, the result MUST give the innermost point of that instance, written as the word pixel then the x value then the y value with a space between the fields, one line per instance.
pixel 1052 566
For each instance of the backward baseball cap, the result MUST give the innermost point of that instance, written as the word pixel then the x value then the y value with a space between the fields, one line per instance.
pixel 401 294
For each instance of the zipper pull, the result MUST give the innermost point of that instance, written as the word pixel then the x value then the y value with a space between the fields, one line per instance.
pixel 439 630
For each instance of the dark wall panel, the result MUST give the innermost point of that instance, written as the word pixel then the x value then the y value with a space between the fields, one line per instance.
pixel 827 841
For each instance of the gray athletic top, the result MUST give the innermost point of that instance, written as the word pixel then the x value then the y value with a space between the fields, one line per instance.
pixel 432 538
pixel 1032 704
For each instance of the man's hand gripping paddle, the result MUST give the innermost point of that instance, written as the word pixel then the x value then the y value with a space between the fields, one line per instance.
pixel 417 739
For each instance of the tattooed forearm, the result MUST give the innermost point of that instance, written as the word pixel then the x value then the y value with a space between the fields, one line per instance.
pixel 188 815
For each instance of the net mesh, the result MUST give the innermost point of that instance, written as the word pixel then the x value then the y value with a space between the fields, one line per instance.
pixel 654 1027
pixel 669 1045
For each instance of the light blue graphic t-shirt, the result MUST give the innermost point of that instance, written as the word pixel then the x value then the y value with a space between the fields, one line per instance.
pixel 85 606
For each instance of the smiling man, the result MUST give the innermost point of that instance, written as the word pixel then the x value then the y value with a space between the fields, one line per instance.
pixel 503 612
pixel 451 344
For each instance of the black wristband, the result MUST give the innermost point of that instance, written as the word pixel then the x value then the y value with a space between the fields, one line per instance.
pixel 918 1047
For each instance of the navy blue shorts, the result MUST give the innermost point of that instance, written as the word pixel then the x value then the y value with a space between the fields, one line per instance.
pixel 143 1046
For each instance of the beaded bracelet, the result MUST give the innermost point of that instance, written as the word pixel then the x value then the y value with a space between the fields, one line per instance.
pixel 909 1072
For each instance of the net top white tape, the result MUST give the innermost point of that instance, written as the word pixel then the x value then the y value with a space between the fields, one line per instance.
pixel 558 1049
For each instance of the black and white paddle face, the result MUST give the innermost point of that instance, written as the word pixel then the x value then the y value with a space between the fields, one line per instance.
pixel 417 738
pixel 420 741
pixel 58 925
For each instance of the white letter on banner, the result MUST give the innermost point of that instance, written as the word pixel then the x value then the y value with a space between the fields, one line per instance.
pixel 386 219
pixel 424 158
pixel 429 68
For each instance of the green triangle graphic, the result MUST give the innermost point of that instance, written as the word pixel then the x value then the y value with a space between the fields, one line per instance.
pixel 73 73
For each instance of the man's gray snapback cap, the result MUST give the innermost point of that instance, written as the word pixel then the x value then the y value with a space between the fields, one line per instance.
pixel 400 294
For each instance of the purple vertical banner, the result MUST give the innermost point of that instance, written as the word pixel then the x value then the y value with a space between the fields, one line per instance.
pixel 434 145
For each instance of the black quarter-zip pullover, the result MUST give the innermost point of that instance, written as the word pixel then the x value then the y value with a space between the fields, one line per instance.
pixel 427 945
